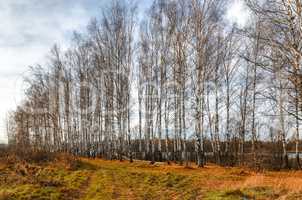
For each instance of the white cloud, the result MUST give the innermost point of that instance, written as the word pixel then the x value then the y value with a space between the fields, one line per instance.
pixel 28 29
pixel 238 13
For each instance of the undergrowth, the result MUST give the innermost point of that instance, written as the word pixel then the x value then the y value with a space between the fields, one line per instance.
pixel 66 177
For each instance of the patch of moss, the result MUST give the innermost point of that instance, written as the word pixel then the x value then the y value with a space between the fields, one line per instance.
pixel 225 195
pixel 28 192
pixel 246 193
pixel 76 179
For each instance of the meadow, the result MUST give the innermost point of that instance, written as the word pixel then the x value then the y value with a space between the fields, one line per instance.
pixel 96 179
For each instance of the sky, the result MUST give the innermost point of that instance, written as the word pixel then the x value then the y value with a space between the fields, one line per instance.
pixel 29 28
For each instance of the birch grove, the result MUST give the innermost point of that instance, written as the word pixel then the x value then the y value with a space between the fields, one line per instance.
pixel 180 84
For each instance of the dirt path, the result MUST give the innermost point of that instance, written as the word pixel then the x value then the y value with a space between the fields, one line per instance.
pixel 84 188
pixel 106 184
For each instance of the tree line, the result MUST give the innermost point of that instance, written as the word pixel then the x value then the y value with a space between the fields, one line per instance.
pixel 179 83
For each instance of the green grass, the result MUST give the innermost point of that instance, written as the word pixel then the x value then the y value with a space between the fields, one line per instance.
pixel 102 180
pixel 28 192
pixel 242 194
pixel 122 183
pixel 28 182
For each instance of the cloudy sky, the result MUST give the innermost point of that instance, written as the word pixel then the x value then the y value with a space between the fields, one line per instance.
pixel 28 29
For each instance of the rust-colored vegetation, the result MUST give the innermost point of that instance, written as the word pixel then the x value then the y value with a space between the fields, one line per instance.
pixel 66 177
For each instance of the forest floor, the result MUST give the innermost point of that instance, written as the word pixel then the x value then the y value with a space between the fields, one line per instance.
pixel 100 180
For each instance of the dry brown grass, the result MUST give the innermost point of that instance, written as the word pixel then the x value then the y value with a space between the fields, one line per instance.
pixel 67 177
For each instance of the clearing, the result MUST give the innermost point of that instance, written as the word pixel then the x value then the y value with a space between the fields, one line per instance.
pixel 97 179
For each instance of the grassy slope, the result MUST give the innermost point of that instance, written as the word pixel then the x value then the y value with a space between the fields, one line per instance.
pixel 98 180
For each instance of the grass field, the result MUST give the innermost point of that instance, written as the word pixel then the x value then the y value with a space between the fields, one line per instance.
pixel 100 180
